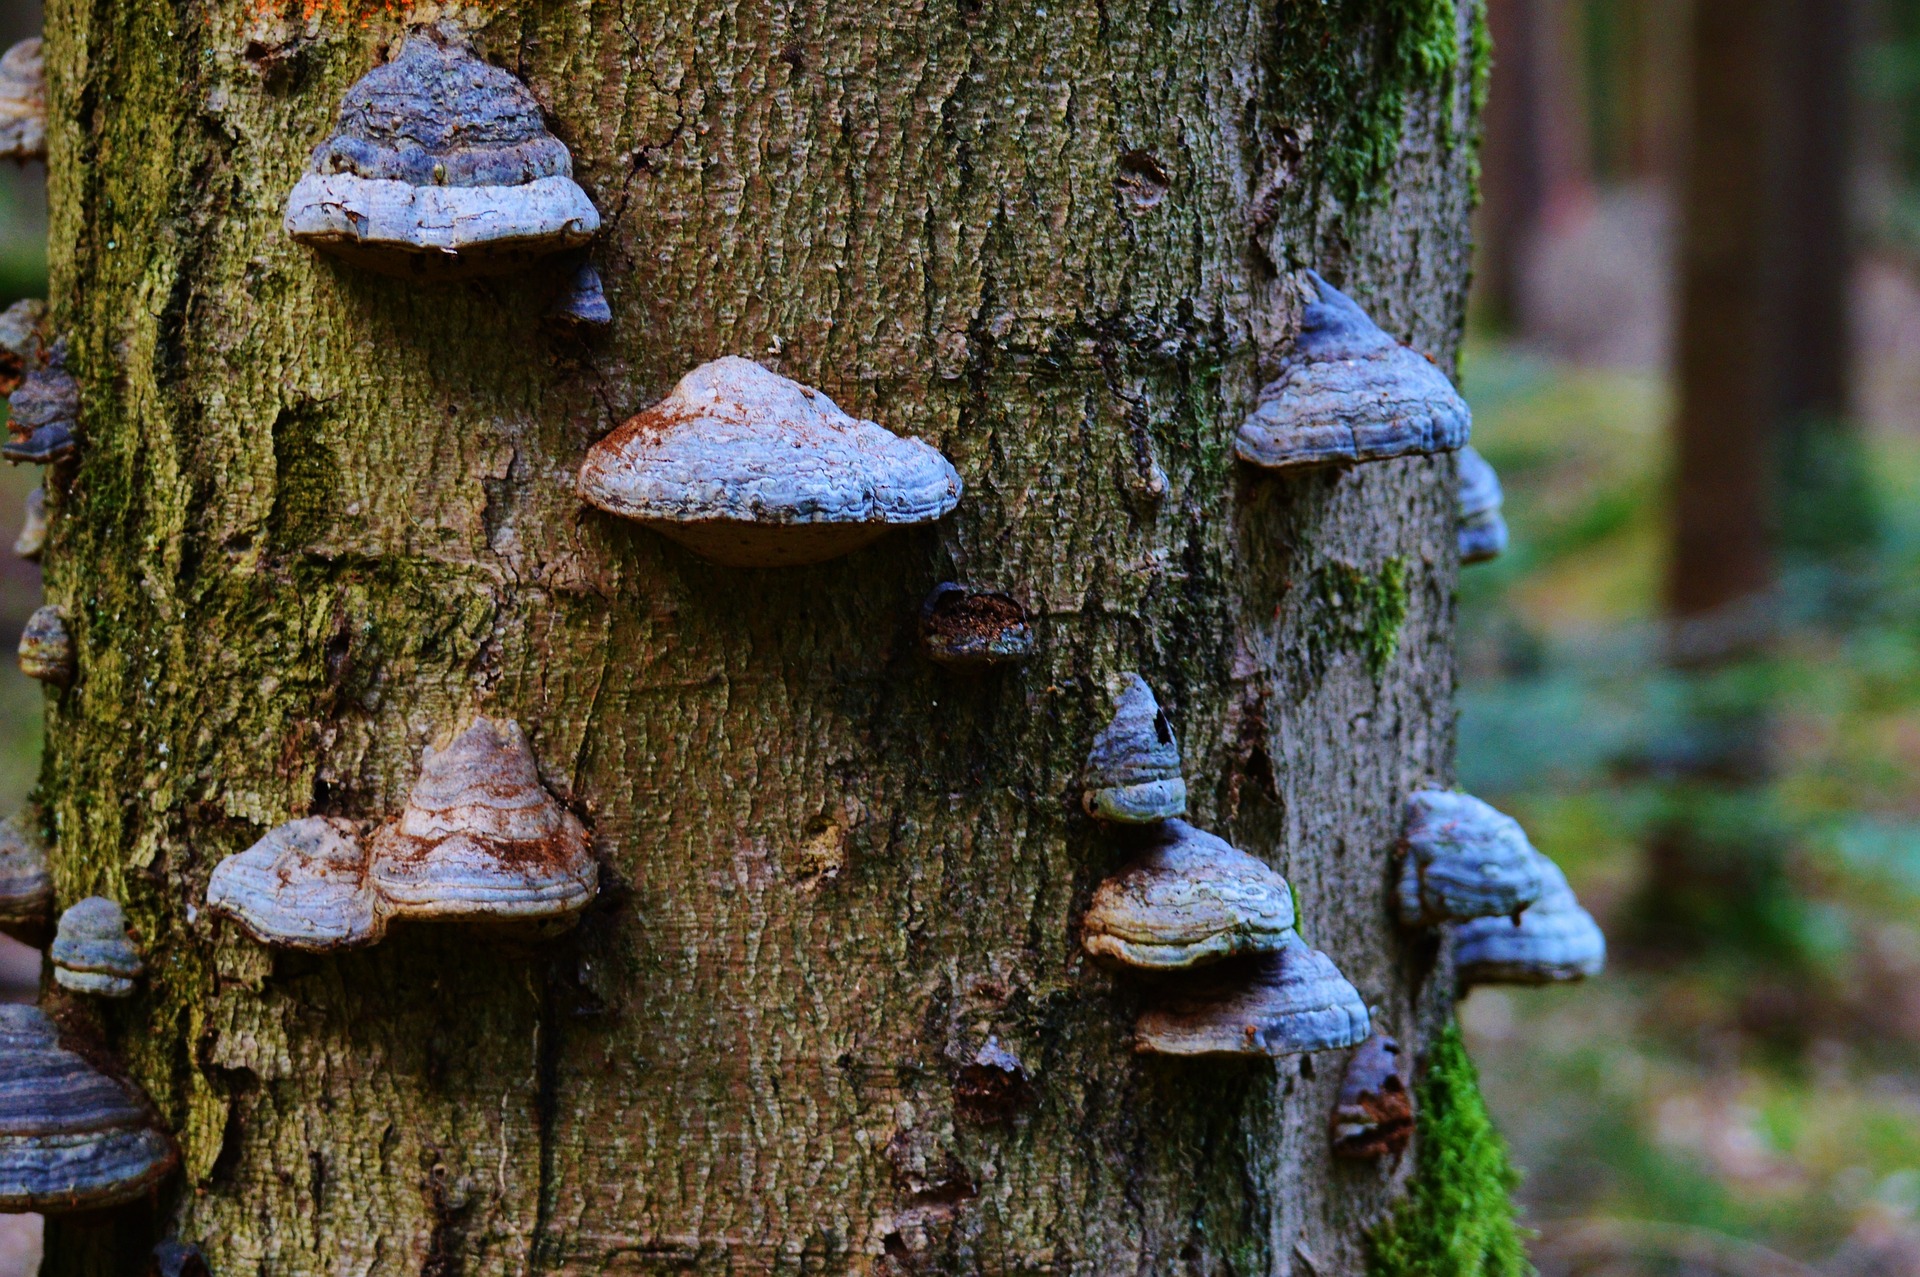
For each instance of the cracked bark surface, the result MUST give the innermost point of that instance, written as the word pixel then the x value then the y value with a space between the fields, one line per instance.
pixel 323 517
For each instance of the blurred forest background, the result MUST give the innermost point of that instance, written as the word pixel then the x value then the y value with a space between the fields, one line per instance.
pixel 1695 359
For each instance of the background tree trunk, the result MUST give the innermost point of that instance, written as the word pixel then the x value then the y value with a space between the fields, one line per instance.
pixel 324 517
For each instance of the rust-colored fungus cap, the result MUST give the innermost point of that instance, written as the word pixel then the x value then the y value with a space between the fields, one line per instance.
pixel 26 886
pixel 1462 859
pixel 1374 1116
pixel 752 470
pixel 33 527
pixel 481 838
pixel 46 647
pixel 1483 529
pixel 1133 770
pixel 440 165
pixel 71 1138
pixel 1554 942
pixel 44 425
pixel 1190 900
pixel 23 102
pixel 304 886
pixel 974 629
pixel 1290 1002
pixel 1348 393
pixel 92 952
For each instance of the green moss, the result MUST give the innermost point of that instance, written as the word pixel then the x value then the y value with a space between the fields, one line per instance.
pixel 1363 610
pixel 1458 1221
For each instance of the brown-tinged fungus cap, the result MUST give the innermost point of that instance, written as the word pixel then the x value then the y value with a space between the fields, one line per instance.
pixel 46 647
pixel 23 102
pixel 974 629
pixel 303 886
pixel 440 165
pixel 33 527
pixel 481 838
pixel 71 1138
pixel 1290 1002
pixel 1374 1115
pixel 752 470
pixel 1190 900
pixel 1347 393
pixel 1554 942
pixel 1462 859
pixel 1483 530
pixel 1133 770
pixel 92 952
pixel 44 422
pixel 26 885
pixel 21 348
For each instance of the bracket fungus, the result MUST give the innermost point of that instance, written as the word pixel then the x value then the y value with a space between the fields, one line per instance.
pixel 1554 941
pixel 440 164
pixel 974 629
pixel 1133 770
pixel 303 886
pixel 92 952
pixel 20 346
pixel 750 469
pixel 1293 1001
pixel 71 1138
pixel 33 527
pixel 1374 1114
pixel 26 885
pixel 1483 530
pixel 1347 392
pixel 46 647
pixel 45 410
pixel 23 102
pixel 1462 859
pixel 582 304
pixel 1190 900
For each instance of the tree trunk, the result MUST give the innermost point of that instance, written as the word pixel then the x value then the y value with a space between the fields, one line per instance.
pixel 323 517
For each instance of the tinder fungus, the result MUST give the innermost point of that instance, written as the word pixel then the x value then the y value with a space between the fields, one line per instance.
pixel 753 470
pixel 1133 775
pixel 33 527
pixel 71 1138
pixel 1483 530
pixel 481 839
pixel 1290 1002
pixel 1554 941
pixel 1347 392
pixel 304 886
pixel 43 425
pixel 440 165
pixel 46 647
pixel 20 346
pixel 974 629
pixel 1374 1115
pixel 23 102
pixel 26 886
pixel 1461 859
pixel 1191 899
pixel 582 305
pixel 92 952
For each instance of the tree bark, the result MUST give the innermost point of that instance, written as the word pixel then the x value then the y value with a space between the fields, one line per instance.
pixel 323 517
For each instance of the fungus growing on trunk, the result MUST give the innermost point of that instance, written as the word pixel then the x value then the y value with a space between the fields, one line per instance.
pixel 33 527
pixel 92 952
pixel 583 303
pixel 44 425
pixel 1374 1115
pixel 26 885
pixel 1133 770
pixel 1293 1001
pixel 23 102
pixel 1483 530
pixel 20 347
pixel 1347 392
pixel 303 886
pixel 1191 899
pixel 1461 859
pixel 750 469
pixel 46 647
pixel 1554 941
pixel 974 629
pixel 71 1138
pixel 440 165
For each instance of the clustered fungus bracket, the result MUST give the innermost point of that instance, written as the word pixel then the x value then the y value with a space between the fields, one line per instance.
pixel 1461 859
pixel 1190 900
pixel 46 647
pixel 43 427
pixel 1133 772
pixel 92 951
pixel 1554 941
pixel 26 883
pixel 23 102
pixel 1374 1114
pixel 1293 1001
pixel 1483 529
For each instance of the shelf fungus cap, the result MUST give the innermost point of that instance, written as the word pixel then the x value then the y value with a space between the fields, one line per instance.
pixel 1133 770
pixel 1347 393
pixel 582 304
pixel 1190 900
pixel 440 164
pixel 1462 859
pixel 1374 1115
pixel 303 886
pixel 26 885
pixel 1554 942
pixel 750 469
pixel 974 629
pixel 46 646
pixel 92 952
pixel 1483 530
pixel 481 838
pixel 33 527
pixel 1290 1002
pixel 20 345
pixel 23 102
pixel 71 1138
pixel 45 409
